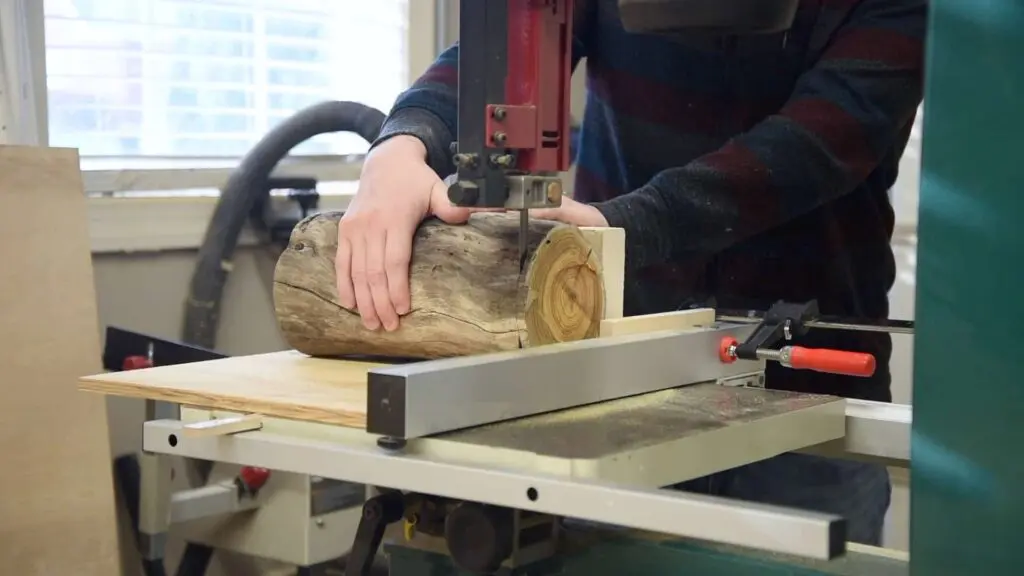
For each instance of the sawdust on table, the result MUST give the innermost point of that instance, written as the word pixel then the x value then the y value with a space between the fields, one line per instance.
pixel 602 409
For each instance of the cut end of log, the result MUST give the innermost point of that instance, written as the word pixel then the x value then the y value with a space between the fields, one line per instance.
pixel 565 299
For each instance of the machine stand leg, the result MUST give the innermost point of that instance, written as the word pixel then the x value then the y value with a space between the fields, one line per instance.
pixel 154 503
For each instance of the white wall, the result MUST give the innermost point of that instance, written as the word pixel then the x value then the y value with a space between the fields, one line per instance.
pixel 901 305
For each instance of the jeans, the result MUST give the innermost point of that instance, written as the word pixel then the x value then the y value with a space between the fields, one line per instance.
pixel 857 491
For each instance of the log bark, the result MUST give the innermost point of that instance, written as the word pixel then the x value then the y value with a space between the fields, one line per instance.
pixel 468 293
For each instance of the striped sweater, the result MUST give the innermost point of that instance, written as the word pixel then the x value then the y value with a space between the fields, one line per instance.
pixel 744 170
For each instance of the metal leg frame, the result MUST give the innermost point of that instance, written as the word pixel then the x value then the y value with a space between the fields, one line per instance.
pixel 159 506
pixel 154 505
pixel 768 528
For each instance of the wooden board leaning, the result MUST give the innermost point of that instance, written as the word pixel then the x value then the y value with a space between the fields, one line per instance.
pixel 57 513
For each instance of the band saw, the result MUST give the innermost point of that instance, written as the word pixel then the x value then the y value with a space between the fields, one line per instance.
pixel 515 66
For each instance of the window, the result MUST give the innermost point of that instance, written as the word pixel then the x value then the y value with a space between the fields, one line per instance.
pixel 159 79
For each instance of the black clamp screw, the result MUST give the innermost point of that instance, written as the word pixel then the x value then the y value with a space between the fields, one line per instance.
pixel 783 321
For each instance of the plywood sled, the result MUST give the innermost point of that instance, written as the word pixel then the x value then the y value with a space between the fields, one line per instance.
pixel 283 384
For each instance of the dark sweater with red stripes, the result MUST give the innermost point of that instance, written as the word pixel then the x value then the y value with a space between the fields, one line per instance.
pixel 745 170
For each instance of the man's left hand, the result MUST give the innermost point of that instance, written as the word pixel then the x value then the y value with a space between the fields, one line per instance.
pixel 572 212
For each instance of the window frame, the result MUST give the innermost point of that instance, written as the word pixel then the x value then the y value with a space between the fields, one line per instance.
pixel 164 216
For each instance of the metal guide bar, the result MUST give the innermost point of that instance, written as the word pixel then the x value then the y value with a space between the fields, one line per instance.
pixel 878 429
pixel 207 501
pixel 425 398
pixel 826 322
pixel 761 527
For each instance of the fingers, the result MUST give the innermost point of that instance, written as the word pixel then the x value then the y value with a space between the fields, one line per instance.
pixel 377 279
pixel 554 214
pixel 397 255
pixel 572 212
pixel 396 191
pixel 373 273
pixel 343 268
pixel 361 284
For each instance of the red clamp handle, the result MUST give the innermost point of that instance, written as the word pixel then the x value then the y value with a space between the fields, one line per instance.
pixel 832 361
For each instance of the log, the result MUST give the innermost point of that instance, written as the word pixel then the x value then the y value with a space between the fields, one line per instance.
pixel 468 295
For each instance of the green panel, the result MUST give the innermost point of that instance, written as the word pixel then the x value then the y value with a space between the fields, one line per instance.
pixel 968 433
pixel 645 555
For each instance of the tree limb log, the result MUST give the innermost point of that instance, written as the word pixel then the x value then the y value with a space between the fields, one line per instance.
pixel 468 294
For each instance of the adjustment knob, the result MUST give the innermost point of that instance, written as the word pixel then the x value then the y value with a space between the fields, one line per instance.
pixel 136 363
pixel 253 478
pixel 479 537
pixel 463 194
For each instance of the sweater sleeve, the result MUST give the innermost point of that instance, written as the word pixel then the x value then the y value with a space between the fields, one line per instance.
pixel 843 116
pixel 429 111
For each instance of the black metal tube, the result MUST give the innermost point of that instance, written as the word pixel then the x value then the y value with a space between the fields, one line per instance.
pixel 854 324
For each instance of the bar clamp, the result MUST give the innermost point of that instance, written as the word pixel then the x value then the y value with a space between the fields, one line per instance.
pixel 782 322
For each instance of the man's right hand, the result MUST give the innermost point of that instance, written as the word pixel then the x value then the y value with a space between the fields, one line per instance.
pixel 397 190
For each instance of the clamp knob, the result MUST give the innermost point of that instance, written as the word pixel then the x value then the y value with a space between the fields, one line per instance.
pixel 253 478
pixel 136 363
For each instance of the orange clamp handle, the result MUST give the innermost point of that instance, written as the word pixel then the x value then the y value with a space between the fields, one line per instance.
pixel 832 361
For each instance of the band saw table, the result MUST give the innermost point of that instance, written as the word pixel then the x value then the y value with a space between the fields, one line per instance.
pixel 510 443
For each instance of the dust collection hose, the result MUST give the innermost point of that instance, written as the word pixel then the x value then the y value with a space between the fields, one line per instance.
pixel 244 187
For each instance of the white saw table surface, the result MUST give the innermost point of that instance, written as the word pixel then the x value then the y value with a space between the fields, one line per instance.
pixel 651 440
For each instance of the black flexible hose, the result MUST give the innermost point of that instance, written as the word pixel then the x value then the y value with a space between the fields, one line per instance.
pixel 246 184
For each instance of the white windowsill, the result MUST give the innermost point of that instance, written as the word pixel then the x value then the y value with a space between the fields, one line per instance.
pixel 157 223
pixel 166 205
pixel 193 174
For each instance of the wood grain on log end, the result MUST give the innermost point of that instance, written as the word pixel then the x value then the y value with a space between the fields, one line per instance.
pixel 468 294
pixel 565 299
